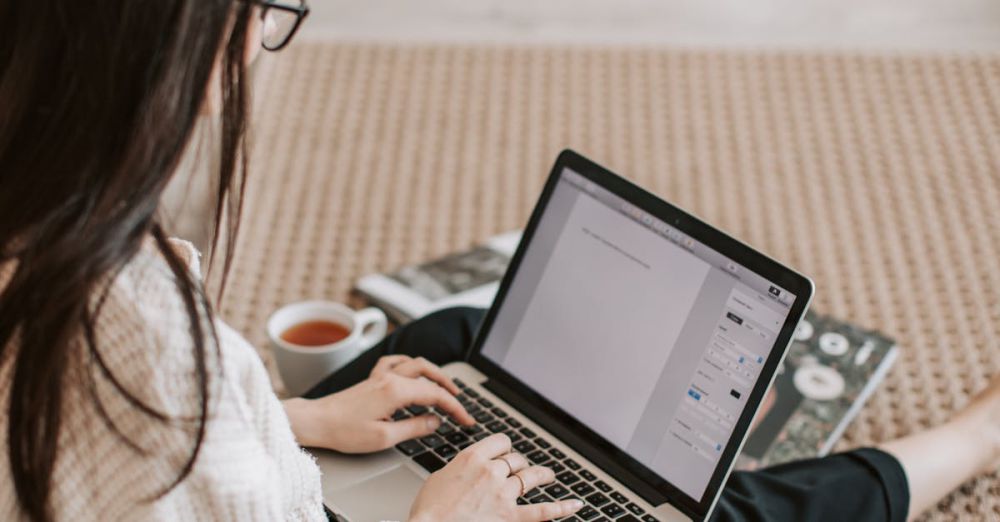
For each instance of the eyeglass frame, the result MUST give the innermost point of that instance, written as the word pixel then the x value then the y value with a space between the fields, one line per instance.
pixel 301 12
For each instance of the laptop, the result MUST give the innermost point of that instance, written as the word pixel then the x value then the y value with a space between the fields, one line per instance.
pixel 628 348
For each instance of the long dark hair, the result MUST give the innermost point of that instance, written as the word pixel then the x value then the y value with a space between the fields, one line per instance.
pixel 97 103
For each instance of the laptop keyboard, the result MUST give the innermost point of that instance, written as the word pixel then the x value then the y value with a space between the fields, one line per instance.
pixel 602 503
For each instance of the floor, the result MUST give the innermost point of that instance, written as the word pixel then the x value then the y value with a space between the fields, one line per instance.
pixel 949 25
pixel 877 176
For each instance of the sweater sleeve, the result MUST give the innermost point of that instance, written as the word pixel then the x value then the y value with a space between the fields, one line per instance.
pixel 248 466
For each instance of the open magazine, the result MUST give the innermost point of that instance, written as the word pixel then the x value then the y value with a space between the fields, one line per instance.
pixel 831 368
pixel 830 371
pixel 469 278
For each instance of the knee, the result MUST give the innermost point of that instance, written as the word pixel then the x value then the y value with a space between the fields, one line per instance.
pixel 458 325
pixel 460 316
pixel 445 335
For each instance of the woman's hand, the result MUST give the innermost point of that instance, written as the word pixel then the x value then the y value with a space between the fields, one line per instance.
pixel 482 483
pixel 358 419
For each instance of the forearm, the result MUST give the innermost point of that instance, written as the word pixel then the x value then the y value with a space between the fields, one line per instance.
pixel 940 459
pixel 305 420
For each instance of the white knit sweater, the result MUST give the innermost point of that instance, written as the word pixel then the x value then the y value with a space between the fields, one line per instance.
pixel 249 468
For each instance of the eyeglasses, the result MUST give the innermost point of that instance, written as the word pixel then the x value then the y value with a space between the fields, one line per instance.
pixel 281 21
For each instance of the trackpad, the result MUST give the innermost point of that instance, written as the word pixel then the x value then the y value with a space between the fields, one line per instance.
pixel 387 496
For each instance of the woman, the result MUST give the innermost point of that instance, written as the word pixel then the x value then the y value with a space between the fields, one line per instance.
pixel 126 398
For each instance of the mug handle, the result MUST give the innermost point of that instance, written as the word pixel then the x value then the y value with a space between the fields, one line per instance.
pixel 375 320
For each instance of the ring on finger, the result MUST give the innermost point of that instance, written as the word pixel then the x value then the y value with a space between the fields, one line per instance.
pixel 521 480
pixel 510 468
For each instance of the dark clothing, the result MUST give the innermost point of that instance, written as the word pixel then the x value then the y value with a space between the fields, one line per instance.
pixel 441 338
pixel 860 485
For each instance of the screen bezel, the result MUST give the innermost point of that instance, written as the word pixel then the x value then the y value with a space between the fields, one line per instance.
pixel 643 478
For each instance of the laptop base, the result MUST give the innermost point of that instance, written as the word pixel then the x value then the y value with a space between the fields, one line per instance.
pixel 382 486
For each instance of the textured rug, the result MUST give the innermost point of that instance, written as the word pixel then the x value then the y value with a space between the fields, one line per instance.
pixel 877 175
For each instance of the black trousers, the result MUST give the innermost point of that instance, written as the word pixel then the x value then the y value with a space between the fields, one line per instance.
pixel 860 485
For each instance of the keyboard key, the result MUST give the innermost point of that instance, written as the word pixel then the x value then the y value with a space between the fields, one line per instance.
pixel 542 443
pixel 480 436
pixel 568 477
pixel 583 489
pixel 613 510
pixel 533 493
pixel 587 513
pixel 472 430
pixel 429 461
pixel 446 452
pixel 634 508
pixel 556 454
pixel 525 446
pixel 416 409
pixel 485 403
pixel 514 423
pixel 458 382
pixel 618 497
pixel 499 413
pixel 445 428
pixel 557 491
pixel 601 485
pixel 400 415
pixel 538 456
pixel 571 519
pixel 627 518
pixel 527 433
pixel 514 436
pixel 521 501
pixel 598 500
pixel 589 476
pixel 473 409
pixel 464 445
pixel 541 499
pixel 483 417
pixel 649 518
pixel 410 447
pixel 456 437
pixel 472 393
pixel 556 467
pixel 571 464
pixel 602 519
pixel 432 441
pixel 496 426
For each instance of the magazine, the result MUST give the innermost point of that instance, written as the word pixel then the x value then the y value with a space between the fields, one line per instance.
pixel 831 368
pixel 469 278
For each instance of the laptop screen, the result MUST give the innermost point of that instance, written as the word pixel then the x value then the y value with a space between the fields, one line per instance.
pixel 648 337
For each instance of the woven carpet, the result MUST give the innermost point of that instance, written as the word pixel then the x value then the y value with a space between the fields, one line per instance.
pixel 877 175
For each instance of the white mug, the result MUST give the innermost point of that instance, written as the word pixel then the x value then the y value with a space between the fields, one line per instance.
pixel 302 367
